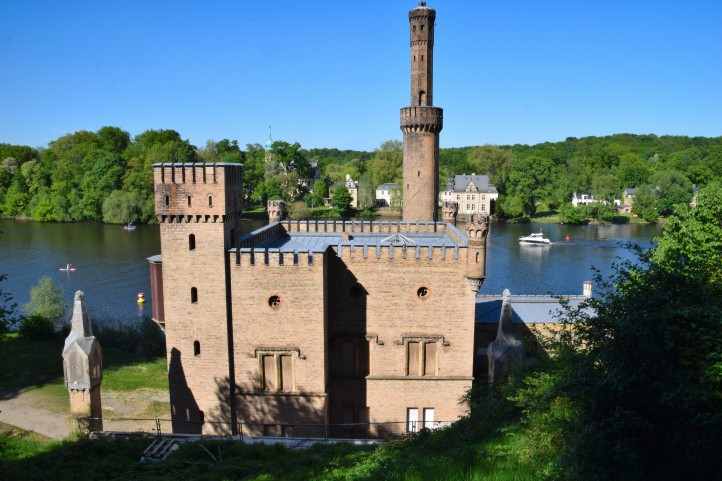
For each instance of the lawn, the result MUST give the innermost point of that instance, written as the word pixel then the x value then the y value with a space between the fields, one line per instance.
pixel 37 364
pixel 451 454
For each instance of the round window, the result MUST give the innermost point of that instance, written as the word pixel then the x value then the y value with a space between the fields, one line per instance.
pixel 423 292
pixel 274 302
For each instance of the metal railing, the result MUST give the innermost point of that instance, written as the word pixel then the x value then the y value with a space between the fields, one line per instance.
pixel 160 426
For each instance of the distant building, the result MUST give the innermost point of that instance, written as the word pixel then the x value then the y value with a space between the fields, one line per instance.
pixel 589 199
pixel 384 193
pixel 352 187
pixel 473 193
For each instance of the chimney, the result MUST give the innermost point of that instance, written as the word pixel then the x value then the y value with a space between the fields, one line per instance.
pixel 587 289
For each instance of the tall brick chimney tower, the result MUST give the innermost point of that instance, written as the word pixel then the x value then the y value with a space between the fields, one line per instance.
pixel 421 122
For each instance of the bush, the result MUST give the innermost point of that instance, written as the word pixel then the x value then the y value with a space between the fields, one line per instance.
pixel 46 300
pixel 36 327
pixel 7 308
pixel 568 214
pixel 368 214
pixel 144 338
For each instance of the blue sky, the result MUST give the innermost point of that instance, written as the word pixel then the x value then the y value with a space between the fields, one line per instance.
pixel 334 73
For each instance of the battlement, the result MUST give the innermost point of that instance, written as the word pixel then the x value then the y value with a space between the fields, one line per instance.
pixel 422 12
pixel 422 119
pixel 197 191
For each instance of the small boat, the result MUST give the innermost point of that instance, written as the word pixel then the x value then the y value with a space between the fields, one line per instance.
pixel 536 238
pixel 67 268
pixel 129 226
pixel 141 298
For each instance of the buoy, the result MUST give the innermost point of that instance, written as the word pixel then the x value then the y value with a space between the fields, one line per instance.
pixel 567 237
pixel 141 298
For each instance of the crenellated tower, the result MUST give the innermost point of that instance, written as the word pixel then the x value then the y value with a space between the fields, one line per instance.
pixel 421 122
pixel 198 209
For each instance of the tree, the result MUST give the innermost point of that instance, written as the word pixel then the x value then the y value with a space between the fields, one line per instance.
pixel 366 192
pixel 385 165
pixel 341 201
pixel 645 204
pixel 530 181
pixel 46 300
pixel 605 187
pixel 633 388
pixel 568 214
pixel 122 207
pixel 673 188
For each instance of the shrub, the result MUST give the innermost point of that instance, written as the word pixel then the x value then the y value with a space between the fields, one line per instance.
pixel 36 327
pixel 568 214
pixel 46 300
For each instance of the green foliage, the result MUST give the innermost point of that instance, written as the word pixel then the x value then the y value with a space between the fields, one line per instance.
pixel 36 327
pixel 672 188
pixel 645 204
pixel 635 391
pixel 568 214
pixel 7 307
pixel 341 201
pixel 122 207
pixel 46 300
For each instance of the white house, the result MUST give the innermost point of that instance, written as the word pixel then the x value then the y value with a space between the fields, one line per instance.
pixel 352 187
pixel 384 193
pixel 473 194
pixel 588 199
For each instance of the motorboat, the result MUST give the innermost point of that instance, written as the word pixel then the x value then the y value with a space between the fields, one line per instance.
pixel 535 238
pixel 67 268
pixel 129 226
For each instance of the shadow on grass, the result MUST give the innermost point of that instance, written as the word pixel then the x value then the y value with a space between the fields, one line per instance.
pixel 31 363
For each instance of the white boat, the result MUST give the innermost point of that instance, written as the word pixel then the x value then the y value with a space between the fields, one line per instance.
pixel 67 268
pixel 129 226
pixel 536 238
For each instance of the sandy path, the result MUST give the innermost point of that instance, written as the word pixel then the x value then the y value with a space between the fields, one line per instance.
pixel 21 412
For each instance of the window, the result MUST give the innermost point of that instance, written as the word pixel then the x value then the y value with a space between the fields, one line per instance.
pixel 286 373
pixel 412 420
pixel 429 418
pixel 196 348
pixel 413 28
pixel 422 292
pixel 194 295
pixel 167 201
pixel 418 173
pixel 191 242
pixel 268 364
pixel 189 201
pixel 422 27
pixel 210 201
pixel 430 349
pixel 422 97
pixel 413 358
pixel 274 302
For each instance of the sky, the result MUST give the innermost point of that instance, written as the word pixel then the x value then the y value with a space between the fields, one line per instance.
pixel 334 73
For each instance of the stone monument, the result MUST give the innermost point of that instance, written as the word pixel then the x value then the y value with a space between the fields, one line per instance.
pixel 276 210
pixel 83 369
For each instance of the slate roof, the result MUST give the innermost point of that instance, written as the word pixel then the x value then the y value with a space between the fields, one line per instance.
pixel 319 242
pixel 388 187
pixel 460 182
pixel 526 309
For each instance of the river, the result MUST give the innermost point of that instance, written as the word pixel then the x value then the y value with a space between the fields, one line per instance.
pixel 112 268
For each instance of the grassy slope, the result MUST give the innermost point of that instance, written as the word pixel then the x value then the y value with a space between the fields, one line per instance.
pixel 37 364
pixel 448 455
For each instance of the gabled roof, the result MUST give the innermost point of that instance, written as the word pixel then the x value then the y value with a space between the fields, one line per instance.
pixel 388 186
pixel 460 183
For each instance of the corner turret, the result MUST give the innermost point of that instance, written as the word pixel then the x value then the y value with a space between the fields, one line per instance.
pixel 477 230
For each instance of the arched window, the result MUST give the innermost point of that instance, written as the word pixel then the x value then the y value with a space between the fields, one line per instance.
pixel 192 242
pixel 196 348
pixel 422 97
pixel 210 201
pixel 477 257
pixel 189 201
pixel 167 201
pixel 194 295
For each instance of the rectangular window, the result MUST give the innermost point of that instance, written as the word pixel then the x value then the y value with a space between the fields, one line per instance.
pixel 268 362
pixel 430 359
pixel 413 361
pixel 429 418
pixel 286 373
pixel 412 420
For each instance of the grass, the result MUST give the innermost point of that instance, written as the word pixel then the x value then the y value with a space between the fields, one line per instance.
pixel 448 455
pixel 37 364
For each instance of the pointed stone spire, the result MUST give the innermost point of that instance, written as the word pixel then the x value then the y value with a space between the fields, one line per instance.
pixel 80 325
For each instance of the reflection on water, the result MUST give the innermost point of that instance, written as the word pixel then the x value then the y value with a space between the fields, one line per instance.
pixel 111 265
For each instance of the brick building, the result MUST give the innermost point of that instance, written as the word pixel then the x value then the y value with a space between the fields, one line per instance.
pixel 302 326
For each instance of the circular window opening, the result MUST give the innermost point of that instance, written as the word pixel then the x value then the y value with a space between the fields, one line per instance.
pixel 356 291
pixel 423 292
pixel 274 302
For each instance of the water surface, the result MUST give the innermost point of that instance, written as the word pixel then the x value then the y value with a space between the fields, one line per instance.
pixel 112 268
